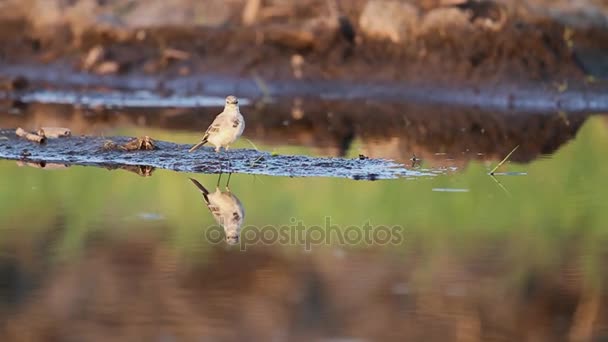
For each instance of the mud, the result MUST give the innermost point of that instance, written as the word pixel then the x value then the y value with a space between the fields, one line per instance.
pixel 497 76
pixel 526 60
pixel 443 136
pixel 69 87
pixel 86 150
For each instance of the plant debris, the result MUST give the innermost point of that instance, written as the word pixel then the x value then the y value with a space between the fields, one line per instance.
pixel 144 143
pixel 86 150
pixel 43 165
pixel 54 132
pixel 503 161
pixel 141 170
pixel 41 139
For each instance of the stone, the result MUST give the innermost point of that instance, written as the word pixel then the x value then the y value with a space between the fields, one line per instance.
pixel 389 19
pixel 445 19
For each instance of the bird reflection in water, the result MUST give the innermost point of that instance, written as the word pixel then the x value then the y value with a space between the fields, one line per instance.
pixel 226 209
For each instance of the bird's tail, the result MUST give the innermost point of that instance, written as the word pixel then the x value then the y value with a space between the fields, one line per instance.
pixel 203 142
pixel 202 189
pixel 200 186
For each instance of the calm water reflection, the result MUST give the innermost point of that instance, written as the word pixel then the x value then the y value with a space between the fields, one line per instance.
pixel 226 208
pixel 81 259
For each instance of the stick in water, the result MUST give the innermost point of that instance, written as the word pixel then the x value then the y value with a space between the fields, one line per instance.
pixel 29 136
pixel 54 132
pixel 503 161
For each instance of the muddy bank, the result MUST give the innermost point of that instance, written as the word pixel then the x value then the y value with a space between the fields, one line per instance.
pixel 440 135
pixel 518 55
pixel 108 152
pixel 78 88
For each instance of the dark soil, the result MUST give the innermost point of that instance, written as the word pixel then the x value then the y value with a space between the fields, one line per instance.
pixel 86 150
pixel 526 65
pixel 434 133
pixel 524 49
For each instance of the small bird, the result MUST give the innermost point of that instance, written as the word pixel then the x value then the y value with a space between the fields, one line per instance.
pixel 226 128
pixel 226 209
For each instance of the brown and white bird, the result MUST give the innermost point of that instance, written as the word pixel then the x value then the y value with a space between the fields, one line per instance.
pixel 226 128
pixel 226 209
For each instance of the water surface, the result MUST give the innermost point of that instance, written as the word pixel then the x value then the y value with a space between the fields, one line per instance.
pixel 89 253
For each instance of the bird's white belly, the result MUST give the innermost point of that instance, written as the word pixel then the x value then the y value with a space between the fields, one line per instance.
pixel 223 138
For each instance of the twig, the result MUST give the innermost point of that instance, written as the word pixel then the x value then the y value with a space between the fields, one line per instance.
pixel 252 144
pixel 503 161
pixel 255 161
pixel 42 165
pixel 256 148
pixel 501 186
pixel 255 177
pixel 29 136
pixel 54 132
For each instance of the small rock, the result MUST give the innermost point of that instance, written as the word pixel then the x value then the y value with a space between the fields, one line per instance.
pixel 296 65
pixel 93 57
pixel 106 68
pixel 162 13
pixel 487 14
pixel 176 54
pixel 389 19
pixel 297 113
pixel 19 83
pixel 290 37
pixel 251 12
pixel 445 19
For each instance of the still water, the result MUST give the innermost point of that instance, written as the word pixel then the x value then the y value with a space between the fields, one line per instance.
pixel 91 254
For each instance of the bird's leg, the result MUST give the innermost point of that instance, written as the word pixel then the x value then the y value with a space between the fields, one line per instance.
pixel 218 180
pixel 228 182
pixel 228 157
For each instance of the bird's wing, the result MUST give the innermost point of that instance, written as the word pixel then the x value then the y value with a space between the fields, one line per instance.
pixel 216 126
pixel 239 207
pixel 235 122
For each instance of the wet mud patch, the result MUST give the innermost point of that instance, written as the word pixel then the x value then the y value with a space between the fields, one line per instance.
pixel 88 150
pixel 56 84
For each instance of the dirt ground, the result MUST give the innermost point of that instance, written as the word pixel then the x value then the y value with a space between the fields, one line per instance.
pixel 451 42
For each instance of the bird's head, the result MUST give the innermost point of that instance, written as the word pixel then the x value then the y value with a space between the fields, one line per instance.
pixel 232 239
pixel 232 101
pixel 232 229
